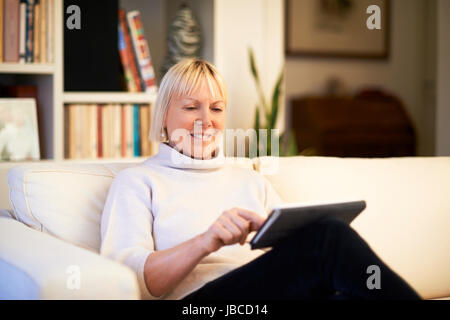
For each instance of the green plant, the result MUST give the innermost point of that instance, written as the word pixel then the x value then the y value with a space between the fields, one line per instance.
pixel 287 143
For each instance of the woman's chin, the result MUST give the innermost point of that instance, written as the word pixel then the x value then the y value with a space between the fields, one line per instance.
pixel 203 151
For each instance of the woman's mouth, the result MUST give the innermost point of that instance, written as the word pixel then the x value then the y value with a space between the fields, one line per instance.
pixel 204 137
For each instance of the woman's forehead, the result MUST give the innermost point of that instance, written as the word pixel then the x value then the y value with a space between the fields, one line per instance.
pixel 204 88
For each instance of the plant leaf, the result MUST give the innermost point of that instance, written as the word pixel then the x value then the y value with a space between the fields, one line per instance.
pixel 292 150
pixel 275 101
pixel 254 71
pixel 257 120
pixel 253 65
pixel 256 126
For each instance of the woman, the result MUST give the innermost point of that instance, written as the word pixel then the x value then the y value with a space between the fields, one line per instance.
pixel 181 219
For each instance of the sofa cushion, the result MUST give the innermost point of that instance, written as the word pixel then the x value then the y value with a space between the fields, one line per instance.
pixel 66 199
pixel 408 207
pixel 63 199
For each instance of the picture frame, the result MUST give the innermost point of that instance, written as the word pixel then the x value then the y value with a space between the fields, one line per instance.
pixel 327 28
pixel 19 135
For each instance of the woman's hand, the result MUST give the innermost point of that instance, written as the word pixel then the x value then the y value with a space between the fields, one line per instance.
pixel 231 227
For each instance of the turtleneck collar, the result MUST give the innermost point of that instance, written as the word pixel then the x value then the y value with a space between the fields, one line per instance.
pixel 170 157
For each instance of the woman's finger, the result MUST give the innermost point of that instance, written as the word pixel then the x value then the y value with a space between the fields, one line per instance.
pixel 231 227
pixel 243 224
pixel 224 234
pixel 256 219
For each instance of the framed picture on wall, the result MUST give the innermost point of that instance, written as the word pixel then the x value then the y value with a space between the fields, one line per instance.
pixel 19 137
pixel 337 28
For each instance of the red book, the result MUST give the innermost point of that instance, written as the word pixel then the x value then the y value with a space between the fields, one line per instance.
pixel 128 55
pixel 141 51
pixel 11 15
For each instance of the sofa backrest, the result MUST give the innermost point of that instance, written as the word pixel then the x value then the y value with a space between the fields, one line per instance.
pixel 407 218
pixel 66 200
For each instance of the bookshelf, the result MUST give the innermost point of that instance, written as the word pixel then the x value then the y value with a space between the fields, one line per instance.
pixel 108 97
pixel 49 77
pixel 227 33
pixel 19 68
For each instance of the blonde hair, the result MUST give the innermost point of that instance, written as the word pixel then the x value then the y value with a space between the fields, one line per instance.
pixel 182 79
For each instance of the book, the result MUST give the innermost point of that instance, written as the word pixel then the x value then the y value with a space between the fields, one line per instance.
pixel 36 32
pixel 22 31
pixel 11 29
pixel 81 132
pixel 285 220
pixel 77 124
pixel 99 131
pixel 144 128
pixel 92 131
pixel 117 133
pixel 50 30
pixel 128 131
pixel 141 51
pixel 127 55
pixel 70 131
pixel 136 133
pixel 43 30
pixel 29 32
pixel 66 131
pixel 1 31
pixel 125 62
pixel 106 135
pixel 129 49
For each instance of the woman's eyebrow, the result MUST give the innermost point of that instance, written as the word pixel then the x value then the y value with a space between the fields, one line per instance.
pixel 195 100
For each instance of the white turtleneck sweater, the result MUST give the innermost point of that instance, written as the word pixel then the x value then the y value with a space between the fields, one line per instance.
pixel 169 199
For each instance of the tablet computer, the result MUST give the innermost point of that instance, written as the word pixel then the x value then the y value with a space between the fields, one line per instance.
pixel 286 219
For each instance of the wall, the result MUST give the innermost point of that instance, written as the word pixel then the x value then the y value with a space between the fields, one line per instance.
pixel 403 73
pixel 443 79
pixel 239 25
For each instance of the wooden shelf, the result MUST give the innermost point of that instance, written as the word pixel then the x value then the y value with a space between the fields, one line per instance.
pixel 108 97
pixel 27 68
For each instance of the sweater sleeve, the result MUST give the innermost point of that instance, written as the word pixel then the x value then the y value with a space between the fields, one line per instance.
pixel 127 224
pixel 271 196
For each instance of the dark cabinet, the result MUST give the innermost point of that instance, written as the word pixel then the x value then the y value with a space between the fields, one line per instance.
pixel 370 124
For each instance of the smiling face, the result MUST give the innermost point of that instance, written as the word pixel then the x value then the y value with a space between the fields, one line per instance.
pixel 195 121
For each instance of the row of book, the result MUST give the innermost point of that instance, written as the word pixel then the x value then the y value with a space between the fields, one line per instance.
pixel 106 130
pixel 26 31
pixel 135 54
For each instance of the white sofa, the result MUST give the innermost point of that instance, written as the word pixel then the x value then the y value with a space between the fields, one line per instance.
pixel 52 234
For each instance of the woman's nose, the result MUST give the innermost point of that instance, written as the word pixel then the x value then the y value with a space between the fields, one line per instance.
pixel 203 124
pixel 205 119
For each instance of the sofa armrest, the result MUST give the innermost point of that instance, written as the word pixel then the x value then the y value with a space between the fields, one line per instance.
pixel 35 265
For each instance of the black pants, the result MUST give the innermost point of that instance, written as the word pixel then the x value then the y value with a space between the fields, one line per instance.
pixel 325 260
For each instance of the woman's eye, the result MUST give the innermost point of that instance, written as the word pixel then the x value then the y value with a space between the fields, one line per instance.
pixel 217 109
pixel 190 108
